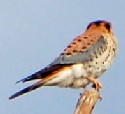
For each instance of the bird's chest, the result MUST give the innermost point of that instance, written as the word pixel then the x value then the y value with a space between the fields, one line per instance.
pixel 102 59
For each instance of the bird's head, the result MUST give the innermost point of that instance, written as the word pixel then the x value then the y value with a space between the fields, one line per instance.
pixel 100 25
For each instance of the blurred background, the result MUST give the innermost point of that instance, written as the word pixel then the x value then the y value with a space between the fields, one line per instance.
pixel 34 32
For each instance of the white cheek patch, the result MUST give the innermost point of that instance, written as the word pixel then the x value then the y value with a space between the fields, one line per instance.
pixel 79 71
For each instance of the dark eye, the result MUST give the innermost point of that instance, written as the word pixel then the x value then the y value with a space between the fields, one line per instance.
pixel 107 25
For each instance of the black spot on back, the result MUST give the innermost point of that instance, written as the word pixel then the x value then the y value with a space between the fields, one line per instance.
pixel 79 40
pixel 88 43
pixel 75 51
pixel 68 53
pixel 85 37
pixel 69 46
pixel 84 47
pixel 74 43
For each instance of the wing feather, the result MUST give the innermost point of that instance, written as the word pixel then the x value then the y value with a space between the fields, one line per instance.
pixel 63 60
pixel 81 56
pixel 43 73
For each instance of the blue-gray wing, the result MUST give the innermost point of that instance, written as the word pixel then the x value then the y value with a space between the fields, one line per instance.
pixel 68 58
pixel 81 56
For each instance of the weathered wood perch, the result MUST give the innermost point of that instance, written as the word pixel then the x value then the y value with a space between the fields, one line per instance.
pixel 87 102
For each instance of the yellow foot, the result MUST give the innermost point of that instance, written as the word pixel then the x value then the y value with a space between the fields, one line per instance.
pixel 96 84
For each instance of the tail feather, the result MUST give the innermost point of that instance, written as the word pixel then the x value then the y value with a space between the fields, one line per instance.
pixel 28 89
pixel 36 75
pixel 43 73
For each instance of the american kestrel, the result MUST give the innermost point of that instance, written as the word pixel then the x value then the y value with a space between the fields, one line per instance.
pixel 86 58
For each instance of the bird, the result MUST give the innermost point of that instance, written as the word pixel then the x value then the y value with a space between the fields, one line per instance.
pixel 84 60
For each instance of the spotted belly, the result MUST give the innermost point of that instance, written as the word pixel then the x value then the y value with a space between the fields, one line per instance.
pixel 101 60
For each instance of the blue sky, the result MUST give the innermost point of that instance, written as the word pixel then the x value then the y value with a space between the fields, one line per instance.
pixel 33 33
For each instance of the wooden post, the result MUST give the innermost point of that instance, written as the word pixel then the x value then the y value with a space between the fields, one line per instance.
pixel 87 102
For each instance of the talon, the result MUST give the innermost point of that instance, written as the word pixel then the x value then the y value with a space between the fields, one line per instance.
pixel 96 84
